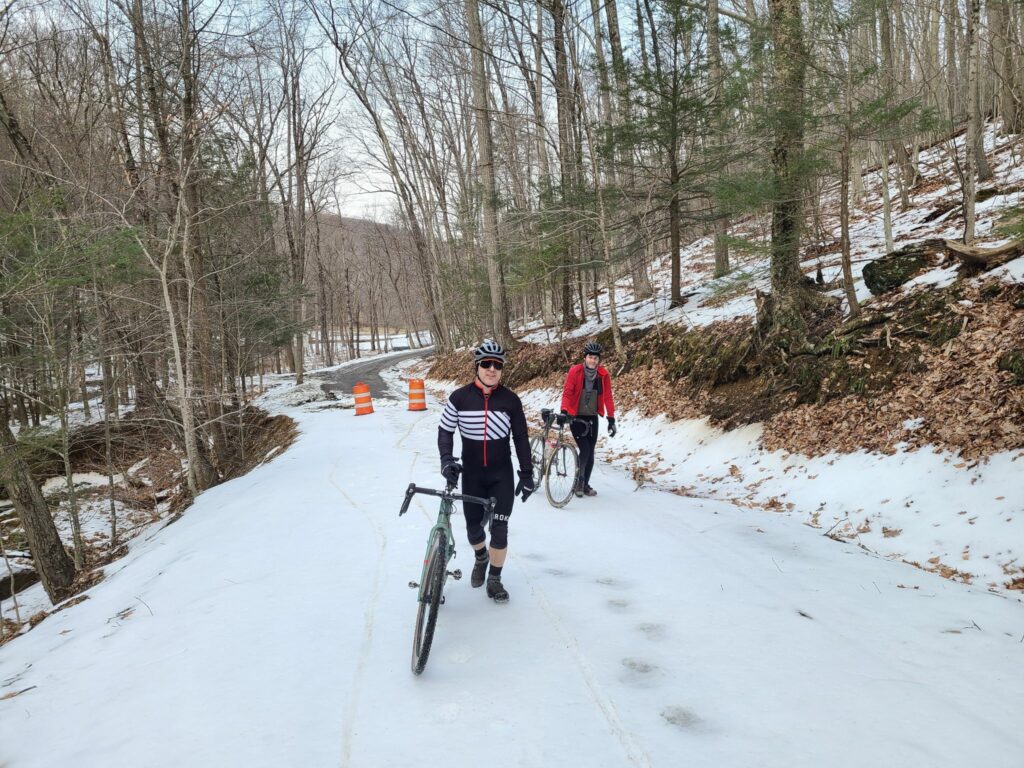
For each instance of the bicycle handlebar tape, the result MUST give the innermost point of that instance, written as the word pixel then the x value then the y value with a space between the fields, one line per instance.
pixel 364 403
pixel 417 395
pixel 409 492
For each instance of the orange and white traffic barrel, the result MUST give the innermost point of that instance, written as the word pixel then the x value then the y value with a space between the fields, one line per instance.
pixel 364 403
pixel 417 395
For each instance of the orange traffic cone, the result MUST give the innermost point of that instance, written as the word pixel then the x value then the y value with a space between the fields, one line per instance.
pixel 364 403
pixel 417 395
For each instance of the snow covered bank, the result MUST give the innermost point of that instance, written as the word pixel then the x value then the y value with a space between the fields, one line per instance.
pixel 962 519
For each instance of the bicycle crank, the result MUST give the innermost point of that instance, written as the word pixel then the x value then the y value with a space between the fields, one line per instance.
pixel 456 574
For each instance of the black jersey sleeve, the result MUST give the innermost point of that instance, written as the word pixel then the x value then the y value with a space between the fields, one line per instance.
pixel 521 437
pixel 446 432
pixel 445 445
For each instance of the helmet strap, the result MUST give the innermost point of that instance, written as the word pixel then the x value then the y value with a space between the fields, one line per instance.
pixel 487 389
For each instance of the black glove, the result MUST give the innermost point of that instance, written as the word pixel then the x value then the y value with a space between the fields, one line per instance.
pixel 611 426
pixel 561 418
pixel 525 487
pixel 450 470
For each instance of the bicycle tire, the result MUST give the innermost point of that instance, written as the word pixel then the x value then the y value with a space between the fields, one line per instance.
pixel 426 613
pixel 537 454
pixel 563 465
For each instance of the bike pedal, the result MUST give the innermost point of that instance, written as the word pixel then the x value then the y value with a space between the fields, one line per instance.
pixel 456 574
pixel 413 585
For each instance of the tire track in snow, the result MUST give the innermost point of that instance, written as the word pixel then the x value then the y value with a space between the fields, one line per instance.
pixel 370 616
pixel 371 609
pixel 405 435
pixel 634 752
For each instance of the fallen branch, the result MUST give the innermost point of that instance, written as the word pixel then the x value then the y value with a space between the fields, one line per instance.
pixel 986 258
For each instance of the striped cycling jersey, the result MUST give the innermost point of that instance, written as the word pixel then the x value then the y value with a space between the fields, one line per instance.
pixel 485 422
pixel 473 424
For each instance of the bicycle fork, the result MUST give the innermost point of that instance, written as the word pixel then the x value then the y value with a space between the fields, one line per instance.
pixel 456 574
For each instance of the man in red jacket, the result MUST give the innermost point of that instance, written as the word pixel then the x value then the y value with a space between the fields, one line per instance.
pixel 587 395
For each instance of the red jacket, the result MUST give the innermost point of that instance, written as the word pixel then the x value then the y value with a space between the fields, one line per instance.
pixel 574 385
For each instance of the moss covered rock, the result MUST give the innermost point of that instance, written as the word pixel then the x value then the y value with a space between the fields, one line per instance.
pixel 896 268
pixel 1013 362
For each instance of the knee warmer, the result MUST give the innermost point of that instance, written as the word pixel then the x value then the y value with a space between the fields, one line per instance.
pixel 499 531
pixel 475 533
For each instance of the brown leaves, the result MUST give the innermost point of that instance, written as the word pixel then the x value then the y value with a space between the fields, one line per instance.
pixel 960 402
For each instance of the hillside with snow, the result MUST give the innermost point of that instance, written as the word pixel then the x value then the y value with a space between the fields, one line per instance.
pixel 725 600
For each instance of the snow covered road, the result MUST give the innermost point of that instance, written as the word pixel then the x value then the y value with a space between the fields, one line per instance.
pixel 272 626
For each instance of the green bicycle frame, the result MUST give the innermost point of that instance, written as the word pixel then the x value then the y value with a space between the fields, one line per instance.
pixel 444 524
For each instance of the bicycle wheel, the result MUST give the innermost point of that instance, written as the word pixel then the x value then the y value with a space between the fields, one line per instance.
pixel 537 454
pixel 563 466
pixel 426 614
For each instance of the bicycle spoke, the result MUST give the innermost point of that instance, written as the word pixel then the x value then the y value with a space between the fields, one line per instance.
pixel 561 475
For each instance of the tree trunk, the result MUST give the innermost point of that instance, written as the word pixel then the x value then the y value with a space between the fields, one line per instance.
pixel 56 569
pixel 676 295
pixel 485 166
pixel 890 86
pixel 973 126
pixel 976 144
pixel 563 100
pixel 721 223
pixel 952 21
pixel 883 148
pixel 787 152
pixel 844 219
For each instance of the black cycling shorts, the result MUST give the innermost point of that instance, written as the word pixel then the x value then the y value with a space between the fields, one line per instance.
pixel 487 482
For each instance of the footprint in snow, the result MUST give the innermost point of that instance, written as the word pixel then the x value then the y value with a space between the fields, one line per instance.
pixel 653 631
pixel 556 572
pixel 534 556
pixel 639 673
pixel 681 718
pixel 618 604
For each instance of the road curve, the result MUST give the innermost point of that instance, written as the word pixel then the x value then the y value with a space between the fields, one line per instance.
pixel 368 372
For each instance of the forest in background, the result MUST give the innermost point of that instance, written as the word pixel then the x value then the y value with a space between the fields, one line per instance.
pixel 172 177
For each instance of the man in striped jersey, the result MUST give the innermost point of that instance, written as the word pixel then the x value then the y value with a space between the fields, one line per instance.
pixel 487 415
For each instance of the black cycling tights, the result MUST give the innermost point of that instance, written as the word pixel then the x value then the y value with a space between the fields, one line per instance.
pixel 487 482
pixel 586 441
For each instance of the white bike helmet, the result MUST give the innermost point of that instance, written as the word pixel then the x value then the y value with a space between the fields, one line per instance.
pixel 489 350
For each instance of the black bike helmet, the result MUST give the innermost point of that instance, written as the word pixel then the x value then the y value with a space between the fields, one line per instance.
pixel 592 348
pixel 489 350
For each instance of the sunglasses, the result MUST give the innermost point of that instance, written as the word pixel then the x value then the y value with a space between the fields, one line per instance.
pixel 496 365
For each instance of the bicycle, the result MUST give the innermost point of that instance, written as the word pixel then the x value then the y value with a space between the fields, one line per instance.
pixel 555 460
pixel 435 573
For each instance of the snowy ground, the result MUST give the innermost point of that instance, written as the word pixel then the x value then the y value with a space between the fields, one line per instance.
pixel 271 625
pixel 926 507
